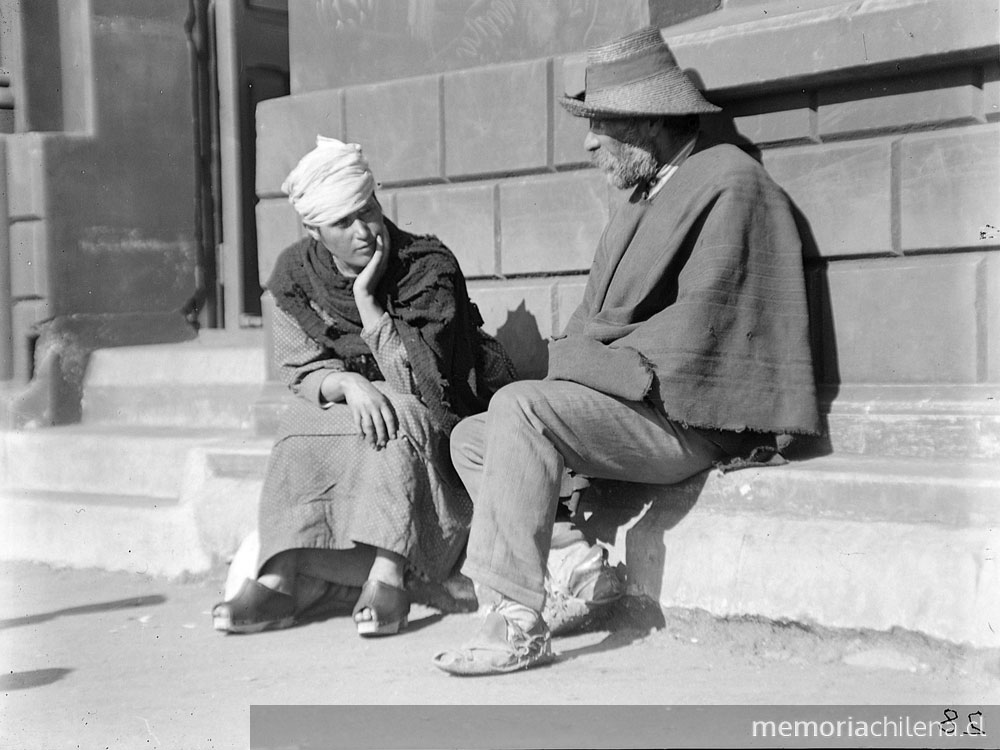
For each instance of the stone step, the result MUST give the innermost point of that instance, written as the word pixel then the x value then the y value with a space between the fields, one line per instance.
pixel 101 459
pixel 960 422
pixel 212 381
pixel 837 541
pixel 135 533
pixel 216 481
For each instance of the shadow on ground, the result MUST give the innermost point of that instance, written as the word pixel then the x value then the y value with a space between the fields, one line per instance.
pixel 85 609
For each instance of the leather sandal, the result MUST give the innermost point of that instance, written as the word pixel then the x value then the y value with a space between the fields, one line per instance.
pixel 500 646
pixel 254 608
pixel 389 605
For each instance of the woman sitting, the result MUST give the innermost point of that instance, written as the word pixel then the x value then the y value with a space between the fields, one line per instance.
pixel 375 333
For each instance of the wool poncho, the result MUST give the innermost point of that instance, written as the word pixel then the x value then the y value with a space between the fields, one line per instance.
pixel 696 301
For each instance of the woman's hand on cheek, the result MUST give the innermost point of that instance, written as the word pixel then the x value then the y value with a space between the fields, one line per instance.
pixel 366 283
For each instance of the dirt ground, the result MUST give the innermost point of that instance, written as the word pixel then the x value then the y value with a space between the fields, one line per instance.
pixel 93 659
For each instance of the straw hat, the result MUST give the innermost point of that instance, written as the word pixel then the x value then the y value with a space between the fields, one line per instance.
pixel 634 76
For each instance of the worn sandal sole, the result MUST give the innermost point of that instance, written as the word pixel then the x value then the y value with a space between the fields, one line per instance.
pixel 369 628
pixel 479 667
pixel 225 625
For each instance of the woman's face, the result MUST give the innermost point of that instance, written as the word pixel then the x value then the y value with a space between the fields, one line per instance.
pixel 352 239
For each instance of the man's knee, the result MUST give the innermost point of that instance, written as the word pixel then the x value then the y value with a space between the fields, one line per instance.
pixel 467 440
pixel 519 398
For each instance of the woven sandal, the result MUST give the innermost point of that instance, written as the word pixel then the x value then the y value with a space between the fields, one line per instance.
pixel 389 605
pixel 500 646
pixel 254 608
pixel 578 584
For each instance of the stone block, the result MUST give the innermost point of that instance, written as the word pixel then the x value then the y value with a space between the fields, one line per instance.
pixel 286 131
pixel 949 188
pixel 991 306
pixel 388 201
pixel 25 316
pixel 844 192
pixel 399 126
pixel 551 223
pixel 520 316
pixel 497 119
pixel 29 259
pixel 25 176
pixel 569 294
pixel 991 91
pixel 873 334
pixel 462 217
pixel 568 131
pixel 941 97
pixel 772 119
pixel 278 226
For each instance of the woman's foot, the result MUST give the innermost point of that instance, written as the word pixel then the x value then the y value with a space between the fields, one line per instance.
pixel 254 608
pixel 382 609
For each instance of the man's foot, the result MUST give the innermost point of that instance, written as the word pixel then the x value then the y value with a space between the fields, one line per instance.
pixel 578 582
pixel 513 637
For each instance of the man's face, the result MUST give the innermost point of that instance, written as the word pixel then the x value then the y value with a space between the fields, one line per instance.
pixel 352 239
pixel 623 149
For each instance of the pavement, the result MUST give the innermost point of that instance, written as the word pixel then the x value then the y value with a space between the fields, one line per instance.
pixel 97 659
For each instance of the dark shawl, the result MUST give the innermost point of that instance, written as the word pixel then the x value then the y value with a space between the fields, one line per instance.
pixel 696 301
pixel 423 290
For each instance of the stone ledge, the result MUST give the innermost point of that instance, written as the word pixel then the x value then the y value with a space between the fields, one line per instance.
pixel 838 542
pixel 824 42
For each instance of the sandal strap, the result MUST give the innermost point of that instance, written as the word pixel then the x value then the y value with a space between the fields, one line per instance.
pixel 386 602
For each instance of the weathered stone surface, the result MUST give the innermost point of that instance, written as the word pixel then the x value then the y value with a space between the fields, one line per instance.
pixel 872 335
pixel 462 216
pixel 497 119
pixel 519 314
pixel 287 130
pixel 278 226
pixel 772 119
pixel 568 131
pixel 844 191
pixel 949 186
pixel 29 259
pixel 941 97
pixel 25 176
pixel 347 43
pixel 991 91
pixel 569 294
pixel 827 38
pixel 991 306
pixel 399 126
pixel 25 314
pixel 721 542
pixel 551 223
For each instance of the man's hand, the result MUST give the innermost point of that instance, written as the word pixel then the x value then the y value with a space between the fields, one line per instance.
pixel 372 411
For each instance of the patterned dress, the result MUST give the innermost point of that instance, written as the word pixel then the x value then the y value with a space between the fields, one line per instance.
pixel 327 488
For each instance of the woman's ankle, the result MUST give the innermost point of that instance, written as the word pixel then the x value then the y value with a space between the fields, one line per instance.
pixel 388 568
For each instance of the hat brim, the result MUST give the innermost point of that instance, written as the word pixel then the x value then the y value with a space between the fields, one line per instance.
pixel 583 108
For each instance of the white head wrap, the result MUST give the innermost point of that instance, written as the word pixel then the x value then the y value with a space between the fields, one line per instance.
pixel 330 182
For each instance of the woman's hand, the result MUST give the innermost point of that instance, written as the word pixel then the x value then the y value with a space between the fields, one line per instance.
pixel 372 411
pixel 366 283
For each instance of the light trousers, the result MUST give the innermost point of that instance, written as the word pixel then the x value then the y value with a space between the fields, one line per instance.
pixel 512 459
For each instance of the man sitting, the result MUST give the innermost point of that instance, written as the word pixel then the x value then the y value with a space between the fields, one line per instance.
pixel 690 346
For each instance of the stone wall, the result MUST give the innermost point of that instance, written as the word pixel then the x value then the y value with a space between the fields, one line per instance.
pixel 879 118
pixel 101 185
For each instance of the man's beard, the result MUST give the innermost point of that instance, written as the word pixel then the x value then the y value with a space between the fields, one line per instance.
pixel 634 164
